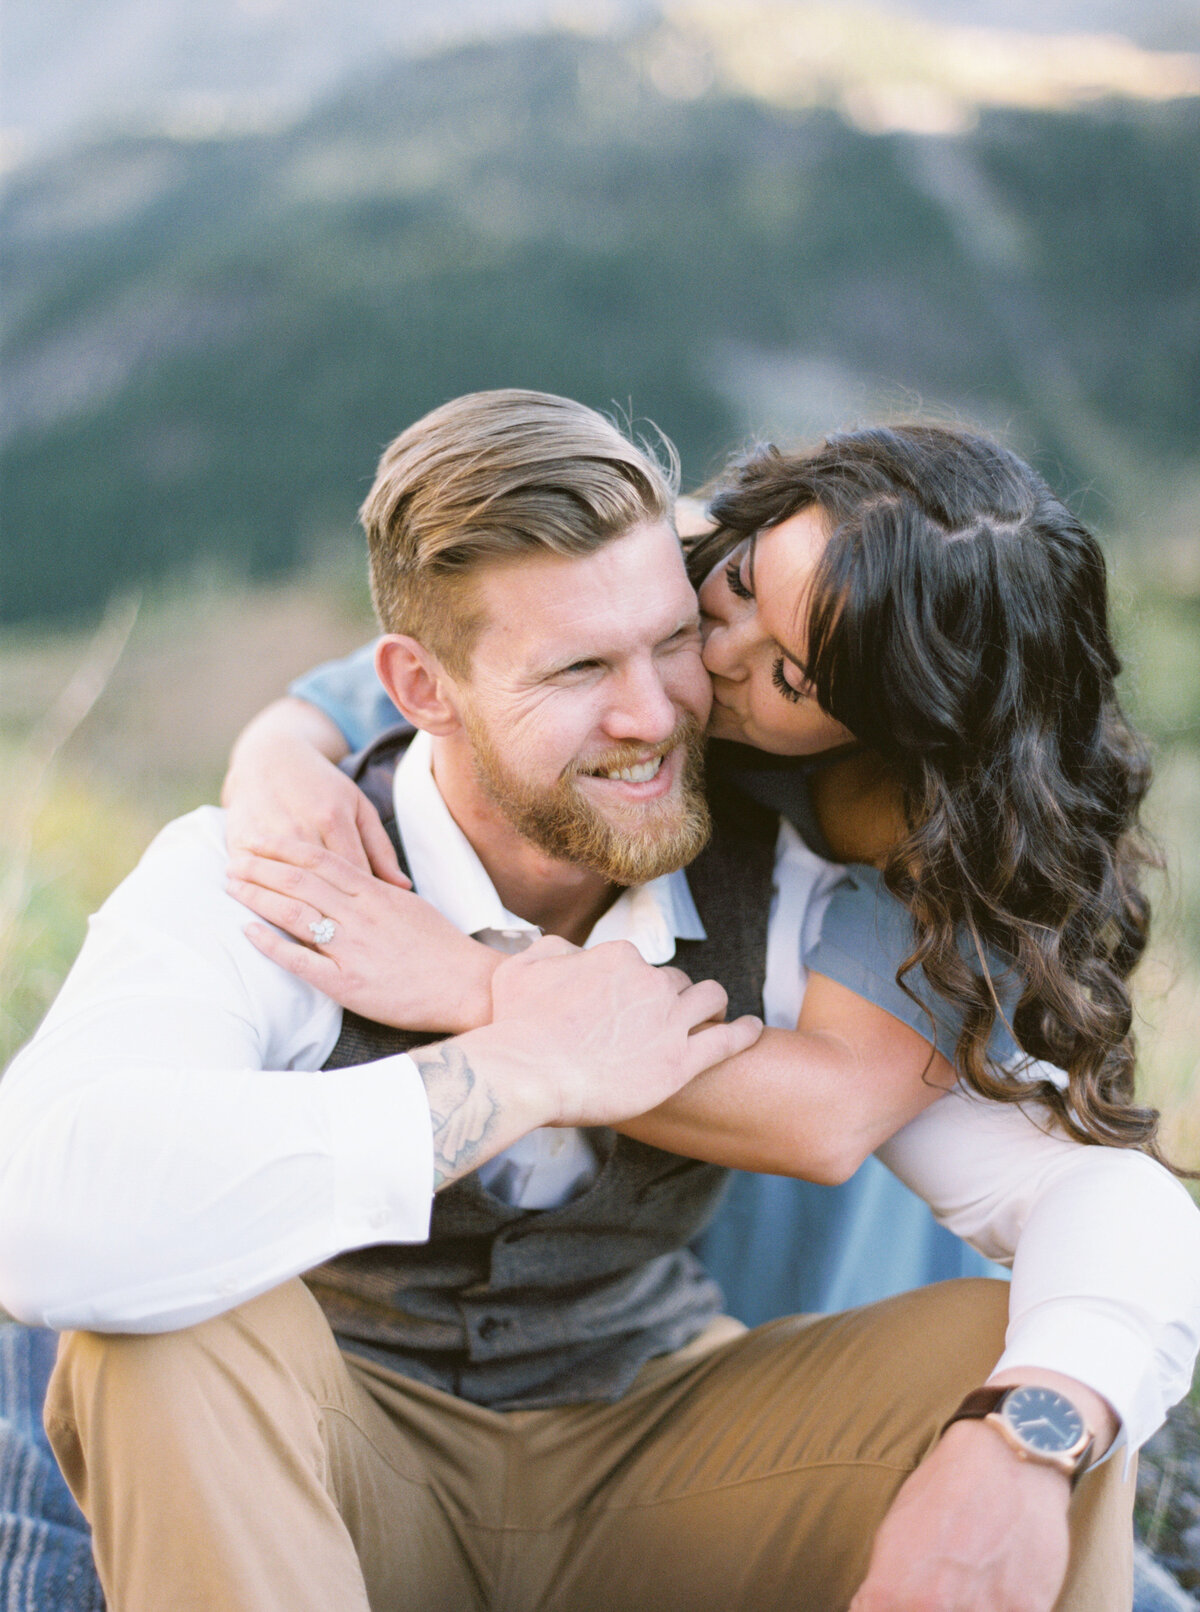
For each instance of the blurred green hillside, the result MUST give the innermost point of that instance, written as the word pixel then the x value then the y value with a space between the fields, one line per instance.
pixel 208 339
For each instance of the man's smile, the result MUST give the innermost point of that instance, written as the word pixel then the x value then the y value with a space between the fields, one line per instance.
pixel 645 777
pixel 639 774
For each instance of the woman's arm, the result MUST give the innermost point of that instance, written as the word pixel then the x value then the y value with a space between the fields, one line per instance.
pixel 283 781
pixel 288 808
pixel 812 1102
pixel 351 696
pixel 286 799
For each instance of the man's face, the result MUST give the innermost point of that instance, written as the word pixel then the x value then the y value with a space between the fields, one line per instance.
pixel 586 702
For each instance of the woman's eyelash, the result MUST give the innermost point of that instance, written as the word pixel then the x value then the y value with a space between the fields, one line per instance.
pixel 733 579
pixel 781 682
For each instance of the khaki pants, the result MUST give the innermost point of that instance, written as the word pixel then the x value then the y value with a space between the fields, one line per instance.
pixel 247 1465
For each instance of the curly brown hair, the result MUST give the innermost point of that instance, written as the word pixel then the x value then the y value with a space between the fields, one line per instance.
pixel 958 626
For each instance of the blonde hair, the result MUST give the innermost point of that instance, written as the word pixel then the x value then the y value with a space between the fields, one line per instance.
pixel 488 477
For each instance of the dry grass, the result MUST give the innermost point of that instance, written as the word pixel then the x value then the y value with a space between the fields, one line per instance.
pixel 87 788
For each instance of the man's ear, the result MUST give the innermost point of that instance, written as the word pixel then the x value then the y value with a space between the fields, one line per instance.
pixel 418 683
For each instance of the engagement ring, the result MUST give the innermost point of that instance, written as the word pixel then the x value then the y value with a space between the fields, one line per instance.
pixel 322 931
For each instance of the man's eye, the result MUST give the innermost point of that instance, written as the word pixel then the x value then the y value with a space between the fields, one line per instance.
pixel 686 638
pixel 733 579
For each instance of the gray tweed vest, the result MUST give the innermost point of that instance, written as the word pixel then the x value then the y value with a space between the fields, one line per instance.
pixel 517 1308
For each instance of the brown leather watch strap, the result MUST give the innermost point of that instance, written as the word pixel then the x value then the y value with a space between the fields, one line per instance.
pixel 979 1402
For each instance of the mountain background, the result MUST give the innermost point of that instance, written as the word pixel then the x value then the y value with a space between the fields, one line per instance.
pixel 230 283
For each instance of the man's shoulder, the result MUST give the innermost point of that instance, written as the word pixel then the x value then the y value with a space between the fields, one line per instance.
pixel 171 930
pixel 197 833
pixel 190 848
pixel 177 890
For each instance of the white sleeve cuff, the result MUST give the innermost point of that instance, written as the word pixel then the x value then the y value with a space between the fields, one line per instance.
pixel 1101 1345
pixel 383 1147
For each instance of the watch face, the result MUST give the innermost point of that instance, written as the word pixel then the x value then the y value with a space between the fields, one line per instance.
pixel 1043 1420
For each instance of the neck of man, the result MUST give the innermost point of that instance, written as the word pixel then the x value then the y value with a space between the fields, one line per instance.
pixel 561 898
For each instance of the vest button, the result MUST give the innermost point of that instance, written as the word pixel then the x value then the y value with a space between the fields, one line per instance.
pixel 492 1324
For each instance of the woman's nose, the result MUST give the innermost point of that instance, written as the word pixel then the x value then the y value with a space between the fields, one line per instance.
pixel 723 652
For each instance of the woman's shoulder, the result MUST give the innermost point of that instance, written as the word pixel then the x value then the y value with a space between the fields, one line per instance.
pixel 866 936
pixel 350 694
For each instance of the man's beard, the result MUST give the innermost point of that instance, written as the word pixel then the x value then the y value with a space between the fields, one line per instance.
pixel 634 845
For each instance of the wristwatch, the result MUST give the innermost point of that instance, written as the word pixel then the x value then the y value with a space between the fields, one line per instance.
pixel 1040 1424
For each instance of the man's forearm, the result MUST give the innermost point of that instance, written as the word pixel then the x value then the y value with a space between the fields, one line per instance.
pixel 476 1113
pixel 577 1038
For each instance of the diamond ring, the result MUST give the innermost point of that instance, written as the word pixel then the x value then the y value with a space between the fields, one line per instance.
pixel 322 931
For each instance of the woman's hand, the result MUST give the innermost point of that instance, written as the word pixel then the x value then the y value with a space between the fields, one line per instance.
pixel 391 956
pixel 283 783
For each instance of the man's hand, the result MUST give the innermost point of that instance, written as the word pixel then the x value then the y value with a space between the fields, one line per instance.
pixel 974 1529
pixel 613 1036
pixel 577 1038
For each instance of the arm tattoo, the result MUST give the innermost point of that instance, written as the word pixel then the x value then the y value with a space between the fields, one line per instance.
pixel 463 1109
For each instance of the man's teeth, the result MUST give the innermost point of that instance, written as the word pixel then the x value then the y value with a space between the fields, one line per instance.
pixel 641 774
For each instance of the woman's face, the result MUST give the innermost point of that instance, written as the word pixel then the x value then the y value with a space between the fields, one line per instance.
pixel 754 611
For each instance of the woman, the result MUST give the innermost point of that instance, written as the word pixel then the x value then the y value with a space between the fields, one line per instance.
pixel 922 595
pixel 914 621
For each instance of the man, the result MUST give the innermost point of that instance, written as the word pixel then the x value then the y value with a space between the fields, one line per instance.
pixel 538 1403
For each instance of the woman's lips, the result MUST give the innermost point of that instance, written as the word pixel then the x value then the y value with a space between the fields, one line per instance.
pixel 724 718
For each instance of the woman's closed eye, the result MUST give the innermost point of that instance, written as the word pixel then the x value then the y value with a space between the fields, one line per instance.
pixel 733 577
pixel 779 678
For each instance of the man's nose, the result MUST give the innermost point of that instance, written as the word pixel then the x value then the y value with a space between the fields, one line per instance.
pixel 642 708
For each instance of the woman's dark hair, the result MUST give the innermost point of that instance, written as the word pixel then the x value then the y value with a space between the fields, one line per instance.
pixel 958 626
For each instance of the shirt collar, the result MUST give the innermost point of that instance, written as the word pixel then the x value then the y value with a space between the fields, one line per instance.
pixel 448 873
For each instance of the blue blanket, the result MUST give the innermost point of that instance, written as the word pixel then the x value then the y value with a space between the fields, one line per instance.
pixel 45 1551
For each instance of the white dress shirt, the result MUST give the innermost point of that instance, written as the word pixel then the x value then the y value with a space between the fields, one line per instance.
pixel 547 1166
pixel 169 1145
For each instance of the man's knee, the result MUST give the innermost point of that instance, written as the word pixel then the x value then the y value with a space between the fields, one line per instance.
pixel 943 1340
pixel 276 1347
pixel 962 1321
